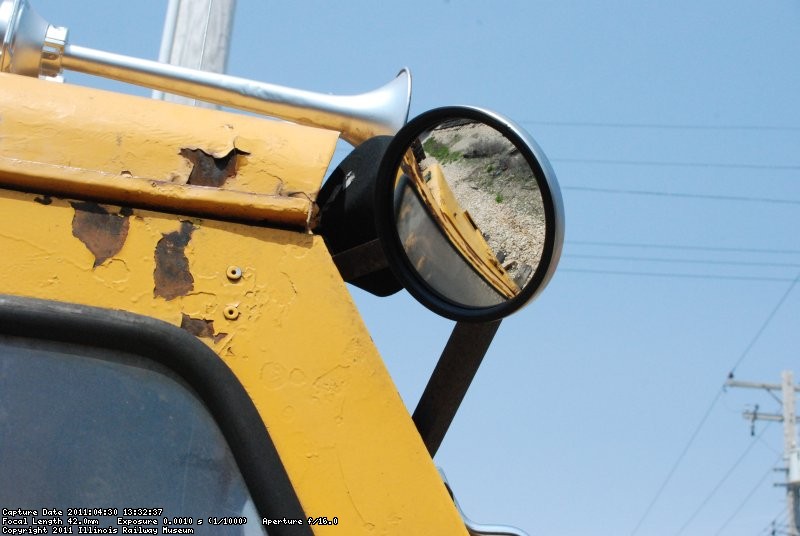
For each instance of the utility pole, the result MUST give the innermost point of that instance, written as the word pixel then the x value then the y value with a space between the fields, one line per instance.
pixel 197 35
pixel 790 451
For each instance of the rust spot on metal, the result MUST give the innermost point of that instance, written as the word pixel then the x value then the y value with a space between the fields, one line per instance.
pixel 43 200
pixel 200 327
pixel 208 170
pixel 102 232
pixel 172 277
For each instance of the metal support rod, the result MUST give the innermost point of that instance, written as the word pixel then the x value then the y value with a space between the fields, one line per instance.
pixel 457 366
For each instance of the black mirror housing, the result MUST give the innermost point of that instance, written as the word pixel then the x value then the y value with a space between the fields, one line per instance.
pixel 347 219
pixel 461 207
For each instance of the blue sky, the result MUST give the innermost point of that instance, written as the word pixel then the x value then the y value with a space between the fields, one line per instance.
pixel 674 129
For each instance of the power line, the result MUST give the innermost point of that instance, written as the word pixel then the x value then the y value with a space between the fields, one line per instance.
pixel 669 163
pixel 682 247
pixel 767 445
pixel 746 499
pixel 676 275
pixel 679 261
pixel 766 322
pixel 661 193
pixel 678 461
pixel 777 523
pixel 722 481
pixel 661 126
pixel 716 398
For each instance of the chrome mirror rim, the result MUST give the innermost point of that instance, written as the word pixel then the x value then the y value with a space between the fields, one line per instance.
pixel 390 240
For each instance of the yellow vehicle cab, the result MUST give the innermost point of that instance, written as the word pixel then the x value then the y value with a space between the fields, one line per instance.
pixel 179 352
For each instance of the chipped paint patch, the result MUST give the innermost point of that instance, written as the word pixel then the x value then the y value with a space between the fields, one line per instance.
pixel 208 170
pixel 171 275
pixel 200 327
pixel 102 232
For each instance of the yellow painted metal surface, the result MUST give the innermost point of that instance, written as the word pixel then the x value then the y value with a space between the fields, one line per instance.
pixel 81 142
pixel 297 344
pixel 287 328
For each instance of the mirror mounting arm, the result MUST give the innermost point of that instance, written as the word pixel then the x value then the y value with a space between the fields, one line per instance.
pixel 447 386
pixel 360 260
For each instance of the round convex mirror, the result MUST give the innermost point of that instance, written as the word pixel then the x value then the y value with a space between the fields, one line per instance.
pixel 469 213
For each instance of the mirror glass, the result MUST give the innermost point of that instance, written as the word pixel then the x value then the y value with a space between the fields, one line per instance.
pixel 469 213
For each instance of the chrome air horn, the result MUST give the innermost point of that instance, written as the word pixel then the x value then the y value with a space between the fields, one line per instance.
pixel 31 46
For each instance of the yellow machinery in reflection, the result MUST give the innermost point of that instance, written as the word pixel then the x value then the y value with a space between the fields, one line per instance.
pixel 437 199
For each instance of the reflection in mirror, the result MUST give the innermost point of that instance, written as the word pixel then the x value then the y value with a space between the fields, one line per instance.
pixel 469 213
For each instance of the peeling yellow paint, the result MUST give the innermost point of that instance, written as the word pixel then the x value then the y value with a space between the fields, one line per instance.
pixel 93 129
pixel 69 140
pixel 298 346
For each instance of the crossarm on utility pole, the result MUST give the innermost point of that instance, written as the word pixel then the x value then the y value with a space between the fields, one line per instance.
pixel 757 415
pixel 758 385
